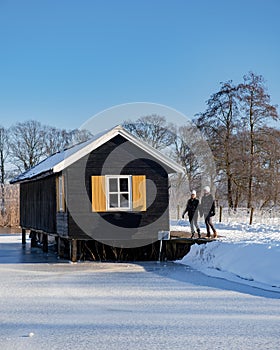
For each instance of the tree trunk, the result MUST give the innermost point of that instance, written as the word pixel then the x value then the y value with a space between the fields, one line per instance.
pixel 228 169
pixel 251 161
pixel 2 183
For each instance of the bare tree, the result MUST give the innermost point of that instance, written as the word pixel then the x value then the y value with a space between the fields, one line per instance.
pixel 79 136
pixel 185 152
pixel 57 140
pixel 267 188
pixel 152 129
pixel 4 153
pixel 30 142
pixel 257 110
pixel 219 124
pixel 27 144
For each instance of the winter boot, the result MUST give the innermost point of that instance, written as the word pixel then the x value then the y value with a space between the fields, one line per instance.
pixel 192 236
pixel 198 233
pixel 215 234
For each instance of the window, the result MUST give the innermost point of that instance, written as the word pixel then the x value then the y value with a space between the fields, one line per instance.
pixel 60 194
pixel 118 193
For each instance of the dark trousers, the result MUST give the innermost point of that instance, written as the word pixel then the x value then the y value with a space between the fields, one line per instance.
pixel 194 223
pixel 209 223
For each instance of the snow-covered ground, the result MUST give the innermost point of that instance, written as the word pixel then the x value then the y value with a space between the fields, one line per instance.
pixel 248 254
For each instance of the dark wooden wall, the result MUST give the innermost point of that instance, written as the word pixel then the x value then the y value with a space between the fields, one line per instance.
pixel 117 156
pixel 127 159
pixel 62 224
pixel 38 205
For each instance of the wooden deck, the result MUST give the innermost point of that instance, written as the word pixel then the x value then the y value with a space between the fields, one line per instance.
pixel 180 244
pixel 187 235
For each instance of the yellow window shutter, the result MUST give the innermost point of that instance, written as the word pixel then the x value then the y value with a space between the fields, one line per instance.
pixel 139 192
pixel 98 193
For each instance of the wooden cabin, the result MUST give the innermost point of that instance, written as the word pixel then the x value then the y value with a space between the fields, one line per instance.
pixel 106 198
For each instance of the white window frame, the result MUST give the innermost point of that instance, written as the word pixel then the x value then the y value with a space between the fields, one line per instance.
pixel 118 177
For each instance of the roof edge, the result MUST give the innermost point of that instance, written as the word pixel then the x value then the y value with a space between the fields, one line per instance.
pixel 118 130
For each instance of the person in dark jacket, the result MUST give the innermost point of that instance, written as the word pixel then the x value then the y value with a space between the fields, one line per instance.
pixel 207 209
pixel 192 210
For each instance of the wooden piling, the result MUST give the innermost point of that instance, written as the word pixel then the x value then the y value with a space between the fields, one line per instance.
pixel 74 250
pixel 33 236
pixel 23 236
pixel 45 243
pixel 57 241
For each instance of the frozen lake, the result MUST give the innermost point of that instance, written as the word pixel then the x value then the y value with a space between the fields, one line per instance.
pixel 50 304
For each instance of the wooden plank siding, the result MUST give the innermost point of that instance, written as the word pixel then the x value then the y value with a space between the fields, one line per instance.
pixel 38 205
pixel 62 224
pixel 126 159
pixel 38 199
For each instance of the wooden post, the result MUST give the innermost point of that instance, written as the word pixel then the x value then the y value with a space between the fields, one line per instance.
pixel 60 247
pixel 33 236
pixel 178 212
pixel 23 236
pixel 160 249
pixel 45 243
pixel 221 213
pixel 74 250
pixel 251 216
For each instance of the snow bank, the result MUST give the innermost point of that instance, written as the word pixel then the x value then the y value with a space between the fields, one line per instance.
pixel 253 264
pixel 245 254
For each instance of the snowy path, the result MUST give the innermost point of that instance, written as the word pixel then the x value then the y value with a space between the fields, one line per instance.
pixel 131 306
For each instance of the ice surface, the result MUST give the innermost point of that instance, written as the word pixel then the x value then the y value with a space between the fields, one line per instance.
pixel 151 306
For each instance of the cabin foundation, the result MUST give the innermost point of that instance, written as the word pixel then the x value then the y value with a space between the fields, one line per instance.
pixel 75 250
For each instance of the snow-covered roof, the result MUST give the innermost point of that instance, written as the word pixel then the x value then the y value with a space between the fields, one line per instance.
pixel 61 160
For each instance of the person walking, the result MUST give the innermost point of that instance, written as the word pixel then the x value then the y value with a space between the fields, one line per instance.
pixel 192 210
pixel 207 209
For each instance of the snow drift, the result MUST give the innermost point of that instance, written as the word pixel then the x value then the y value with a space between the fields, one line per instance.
pixel 244 254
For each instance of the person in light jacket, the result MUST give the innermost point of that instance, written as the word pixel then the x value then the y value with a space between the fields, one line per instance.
pixel 192 210
pixel 207 209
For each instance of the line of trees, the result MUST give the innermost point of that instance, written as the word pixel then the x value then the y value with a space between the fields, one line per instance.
pixel 246 151
pixel 235 124
pixel 24 145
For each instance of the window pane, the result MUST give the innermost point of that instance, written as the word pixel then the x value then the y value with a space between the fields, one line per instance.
pixel 124 203
pixel 124 185
pixel 113 185
pixel 113 201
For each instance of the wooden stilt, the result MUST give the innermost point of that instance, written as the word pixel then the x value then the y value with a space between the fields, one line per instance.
pixel 33 237
pixel 58 241
pixel 45 243
pixel 23 236
pixel 74 250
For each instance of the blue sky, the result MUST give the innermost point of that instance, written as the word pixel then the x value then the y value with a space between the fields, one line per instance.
pixel 62 61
